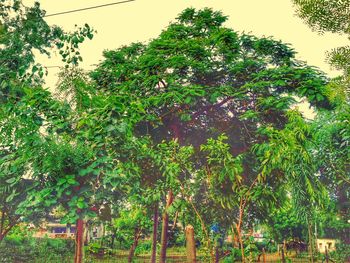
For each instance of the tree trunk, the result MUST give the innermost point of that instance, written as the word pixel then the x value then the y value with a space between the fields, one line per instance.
pixel 240 239
pixel 86 234
pixel 154 235
pixel 134 245
pixel 165 226
pixel 264 255
pixel 311 250
pixel 190 244
pixel 344 210
pixel 238 226
pixel 239 236
pixel 103 234
pixel 217 257
pixel 327 256
pixel 112 240
pixel 2 225
pixel 79 241
pixel 282 253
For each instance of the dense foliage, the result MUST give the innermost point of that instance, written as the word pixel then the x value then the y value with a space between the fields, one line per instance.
pixel 199 125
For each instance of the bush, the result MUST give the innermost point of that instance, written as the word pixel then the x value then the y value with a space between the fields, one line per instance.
pixel 270 247
pixel 180 241
pixel 234 256
pixel 143 247
pixel 94 248
pixel 341 254
pixel 27 249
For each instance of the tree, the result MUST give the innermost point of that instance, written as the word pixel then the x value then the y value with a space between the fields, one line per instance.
pixel 21 125
pixel 29 116
pixel 329 16
pixel 331 128
pixel 199 79
pixel 23 31
pixel 284 224
pixel 290 150
pixel 19 27
pixel 332 153
pixel 238 195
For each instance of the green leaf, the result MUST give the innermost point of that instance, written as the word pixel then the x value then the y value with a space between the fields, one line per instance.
pixel 71 181
pixel 11 180
pixel 80 204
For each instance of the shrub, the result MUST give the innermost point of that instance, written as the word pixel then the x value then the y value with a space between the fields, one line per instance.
pixel 234 256
pixel 341 254
pixel 27 249
pixel 143 247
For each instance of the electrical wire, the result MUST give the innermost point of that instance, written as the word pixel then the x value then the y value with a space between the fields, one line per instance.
pixel 88 8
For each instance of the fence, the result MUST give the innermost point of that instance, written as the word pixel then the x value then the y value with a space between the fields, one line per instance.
pixel 178 259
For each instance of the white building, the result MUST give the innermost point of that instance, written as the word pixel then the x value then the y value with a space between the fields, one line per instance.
pixel 325 243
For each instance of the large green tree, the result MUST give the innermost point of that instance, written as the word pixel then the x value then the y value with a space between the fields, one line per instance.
pixel 329 16
pixel 22 32
pixel 34 125
pixel 331 129
pixel 199 79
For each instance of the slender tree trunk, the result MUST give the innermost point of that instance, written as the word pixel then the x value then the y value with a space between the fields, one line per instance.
pixel 2 226
pixel 2 223
pixel 154 235
pixel 264 255
pixel 238 225
pixel 176 130
pixel 327 256
pixel 311 250
pixel 103 234
pixel 79 241
pixel 239 228
pixel 217 257
pixel 134 245
pixel 113 239
pixel 86 234
pixel 240 240
pixel 165 226
pixel 283 252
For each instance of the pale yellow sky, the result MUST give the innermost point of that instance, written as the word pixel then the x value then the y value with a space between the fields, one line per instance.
pixel 142 20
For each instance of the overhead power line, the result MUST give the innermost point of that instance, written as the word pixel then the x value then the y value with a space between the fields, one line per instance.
pixel 88 8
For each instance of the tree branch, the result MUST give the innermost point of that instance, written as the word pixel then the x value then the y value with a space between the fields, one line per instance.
pixel 209 107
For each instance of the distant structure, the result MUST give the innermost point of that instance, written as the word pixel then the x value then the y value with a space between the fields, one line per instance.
pixel 55 230
pixel 65 231
pixel 325 243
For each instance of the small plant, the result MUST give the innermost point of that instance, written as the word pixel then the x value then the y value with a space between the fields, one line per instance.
pixel 98 249
pixel 143 247
pixel 94 248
